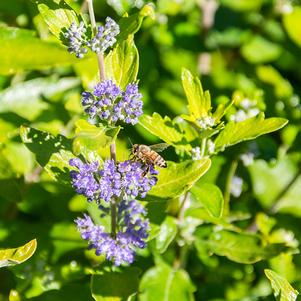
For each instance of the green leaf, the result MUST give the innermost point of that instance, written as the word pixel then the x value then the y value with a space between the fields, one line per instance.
pixel 162 282
pixel 21 50
pixel 283 291
pixel 199 103
pixel 58 16
pixel 19 97
pixel 242 5
pixel 165 129
pixel 235 132
pixel 209 196
pixel 122 63
pixel 240 247
pixel 167 233
pixel 9 257
pixel 258 50
pixel 129 25
pixel 270 75
pixel 269 187
pixel 179 177
pixel 90 138
pixel 115 286
pixel 52 153
pixel 292 24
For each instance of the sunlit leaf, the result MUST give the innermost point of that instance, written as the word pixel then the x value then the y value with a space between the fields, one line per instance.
pixel 21 50
pixel 162 282
pixel 235 132
pixel 179 177
pixel 199 103
pixel 9 257
pixel 210 196
pixel 58 16
pixel 166 130
pixel 90 138
pixel 115 286
pixel 242 5
pixel 283 291
pixel 292 24
pixel 122 63
pixel 17 98
pixel 260 50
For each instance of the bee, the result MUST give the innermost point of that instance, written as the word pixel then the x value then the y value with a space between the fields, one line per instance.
pixel 149 154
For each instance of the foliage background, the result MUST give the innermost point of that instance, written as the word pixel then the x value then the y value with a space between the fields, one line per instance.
pixel 250 49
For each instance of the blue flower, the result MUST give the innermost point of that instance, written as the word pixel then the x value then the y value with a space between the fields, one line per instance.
pixel 133 231
pixel 122 180
pixel 77 41
pixel 105 37
pixel 109 103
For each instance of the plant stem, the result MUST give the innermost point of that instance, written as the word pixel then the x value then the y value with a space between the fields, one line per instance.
pixel 203 147
pixel 102 76
pixel 100 57
pixel 227 192
pixel 113 201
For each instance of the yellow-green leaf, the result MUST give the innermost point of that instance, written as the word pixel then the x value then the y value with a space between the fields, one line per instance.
pixel 9 257
pixel 179 177
pixel 292 24
pixel 283 291
pixel 122 63
pixel 199 102
pixel 235 132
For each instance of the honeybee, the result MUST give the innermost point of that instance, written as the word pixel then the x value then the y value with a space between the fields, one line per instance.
pixel 149 154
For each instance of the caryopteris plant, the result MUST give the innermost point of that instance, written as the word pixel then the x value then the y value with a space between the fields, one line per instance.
pixel 133 205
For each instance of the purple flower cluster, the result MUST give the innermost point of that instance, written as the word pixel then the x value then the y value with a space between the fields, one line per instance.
pixel 105 37
pixel 76 36
pixel 122 180
pixel 109 103
pixel 133 230
pixel 79 42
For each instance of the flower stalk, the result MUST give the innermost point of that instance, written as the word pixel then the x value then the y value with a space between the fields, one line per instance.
pixel 100 56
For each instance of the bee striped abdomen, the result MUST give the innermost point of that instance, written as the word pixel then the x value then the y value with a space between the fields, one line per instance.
pixel 160 161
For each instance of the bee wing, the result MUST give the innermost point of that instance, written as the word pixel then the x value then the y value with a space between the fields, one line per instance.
pixel 159 147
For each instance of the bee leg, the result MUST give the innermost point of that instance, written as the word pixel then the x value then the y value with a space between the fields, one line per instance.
pixel 146 170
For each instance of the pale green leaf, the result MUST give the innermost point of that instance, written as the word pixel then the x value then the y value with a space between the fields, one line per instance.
pixel 21 50
pixel 90 138
pixel 58 16
pixel 19 97
pixel 167 233
pixel 166 130
pixel 179 177
pixel 115 286
pixel 240 247
pixel 235 132
pixel 292 24
pixel 9 257
pixel 242 5
pixel 162 282
pixel 259 50
pixel 283 291
pixel 269 187
pixel 199 103
pixel 122 63
pixel 210 196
